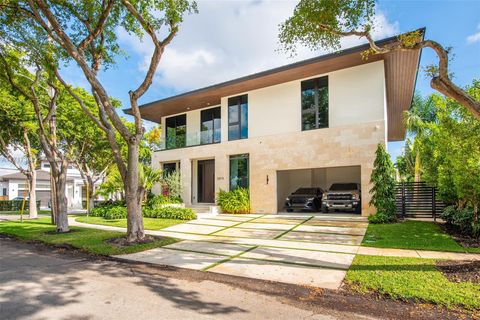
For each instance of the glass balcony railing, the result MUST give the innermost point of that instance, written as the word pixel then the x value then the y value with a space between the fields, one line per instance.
pixel 189 140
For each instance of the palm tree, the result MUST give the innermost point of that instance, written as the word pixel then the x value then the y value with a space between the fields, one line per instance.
pixel 416 120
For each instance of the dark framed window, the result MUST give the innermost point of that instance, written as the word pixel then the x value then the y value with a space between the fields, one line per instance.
pixel 176 131
pixel 315 103
pixel 4 192
pixel 238 117
pixel 210 122
pixel 239 171
pixel 169 168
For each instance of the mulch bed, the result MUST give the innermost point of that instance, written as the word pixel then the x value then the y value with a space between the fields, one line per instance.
pixel 122 242
pixel 464 240
pixel 460 271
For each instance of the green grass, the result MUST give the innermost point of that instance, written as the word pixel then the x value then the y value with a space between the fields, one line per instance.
pixel 89 240
pixel 25 212
pixel 411 279
pixel 148 223
pixel 421 235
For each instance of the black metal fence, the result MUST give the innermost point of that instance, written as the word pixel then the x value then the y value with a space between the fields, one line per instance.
pixel 418 200
pixel 14 205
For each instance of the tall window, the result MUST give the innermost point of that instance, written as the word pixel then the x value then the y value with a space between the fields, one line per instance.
pixel 210 126
pixel 176 134
pixel 4 192
pixel 238 117
pixel 315 103
pixel 169 168
pixel 239 175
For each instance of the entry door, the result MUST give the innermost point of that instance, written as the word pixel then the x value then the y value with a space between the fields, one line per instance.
pixel 206 181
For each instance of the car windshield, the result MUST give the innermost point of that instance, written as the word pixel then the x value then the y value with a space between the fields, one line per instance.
pixel 306 191
pixel 343 186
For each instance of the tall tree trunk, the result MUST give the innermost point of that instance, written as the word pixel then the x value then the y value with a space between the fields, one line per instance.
pixel 133 196
pixel 32 204
pixel 61 200
pixel 91 190
pixel 417 167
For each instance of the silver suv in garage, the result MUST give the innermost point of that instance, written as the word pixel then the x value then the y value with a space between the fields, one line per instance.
pixel 342 197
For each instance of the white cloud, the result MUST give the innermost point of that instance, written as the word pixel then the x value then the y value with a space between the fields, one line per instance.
pixel 229 39
pixel 474 37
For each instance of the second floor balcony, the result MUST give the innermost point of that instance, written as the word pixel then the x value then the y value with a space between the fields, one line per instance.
pixel 180 139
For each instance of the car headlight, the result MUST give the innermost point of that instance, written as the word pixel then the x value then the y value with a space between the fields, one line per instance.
pixel 287 199
pixel 324 196
pixel 356 196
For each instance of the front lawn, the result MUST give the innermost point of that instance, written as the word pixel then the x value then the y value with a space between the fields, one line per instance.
pixel 89 240
pixel 421 235
pixel 148 223
pixel 411 279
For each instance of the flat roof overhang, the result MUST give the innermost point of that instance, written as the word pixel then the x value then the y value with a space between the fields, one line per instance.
pixel 401 68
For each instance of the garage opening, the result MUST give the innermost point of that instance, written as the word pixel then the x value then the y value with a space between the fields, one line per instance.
pixel 289 181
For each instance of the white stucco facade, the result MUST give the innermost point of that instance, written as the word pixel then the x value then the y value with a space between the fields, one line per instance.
pixel 276 142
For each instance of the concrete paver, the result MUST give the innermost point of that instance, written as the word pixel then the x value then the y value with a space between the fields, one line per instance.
pixel 336 230
pixel 323 237
pixel 227 249
pixel 176 258
pixel 266 226
pixel 249 233
pixel 314 258
pixel 347 224
pixel 213 222
pixel 193 228
pixel 273 271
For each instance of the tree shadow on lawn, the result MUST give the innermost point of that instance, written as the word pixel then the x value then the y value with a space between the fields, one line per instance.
pixel 33 280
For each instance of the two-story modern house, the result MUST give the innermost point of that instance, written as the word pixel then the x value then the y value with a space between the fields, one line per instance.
pixel 307 124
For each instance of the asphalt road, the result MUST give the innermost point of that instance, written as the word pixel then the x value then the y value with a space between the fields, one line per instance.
pixel 41 284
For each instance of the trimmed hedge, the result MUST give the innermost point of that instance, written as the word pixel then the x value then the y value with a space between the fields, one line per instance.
pixel 169 212
pixel 110 212
pixel 236 201
pixel 15 205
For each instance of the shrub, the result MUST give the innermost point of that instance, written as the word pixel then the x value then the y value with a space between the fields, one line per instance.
pixel 463 219
pixel 236 201
pixel 110 212
pixel 383 190
pixel 161 200
pixel 170 213
pixel 173 185
pixel 379 217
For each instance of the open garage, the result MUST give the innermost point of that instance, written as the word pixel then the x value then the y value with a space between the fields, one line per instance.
pixel 289 181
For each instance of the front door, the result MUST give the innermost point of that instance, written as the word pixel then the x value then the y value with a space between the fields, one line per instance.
pixel 206 181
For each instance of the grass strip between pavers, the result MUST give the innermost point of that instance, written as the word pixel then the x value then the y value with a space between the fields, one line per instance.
pixel 237 224
pixel 228 259
pixel 291 229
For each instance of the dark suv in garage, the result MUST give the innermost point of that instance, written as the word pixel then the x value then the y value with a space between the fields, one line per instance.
pixel 304 199
pixel 342 197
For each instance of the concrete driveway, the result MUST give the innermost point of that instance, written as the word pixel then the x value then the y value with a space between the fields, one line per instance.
pixel 299 249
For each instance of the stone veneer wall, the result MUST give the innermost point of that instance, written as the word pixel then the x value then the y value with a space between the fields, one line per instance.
pixel 333 147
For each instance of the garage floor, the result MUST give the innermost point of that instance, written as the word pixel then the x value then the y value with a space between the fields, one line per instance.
pixel 300 249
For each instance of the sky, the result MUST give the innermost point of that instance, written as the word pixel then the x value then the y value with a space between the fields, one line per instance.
pixel 229 39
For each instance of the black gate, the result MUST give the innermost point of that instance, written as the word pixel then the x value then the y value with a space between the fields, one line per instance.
pixel 417 200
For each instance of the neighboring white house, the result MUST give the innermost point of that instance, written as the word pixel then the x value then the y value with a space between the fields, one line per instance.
pixel 308 124
pixel 13 184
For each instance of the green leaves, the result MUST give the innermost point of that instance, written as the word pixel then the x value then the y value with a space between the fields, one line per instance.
pixel 317 23
pixel 383 190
